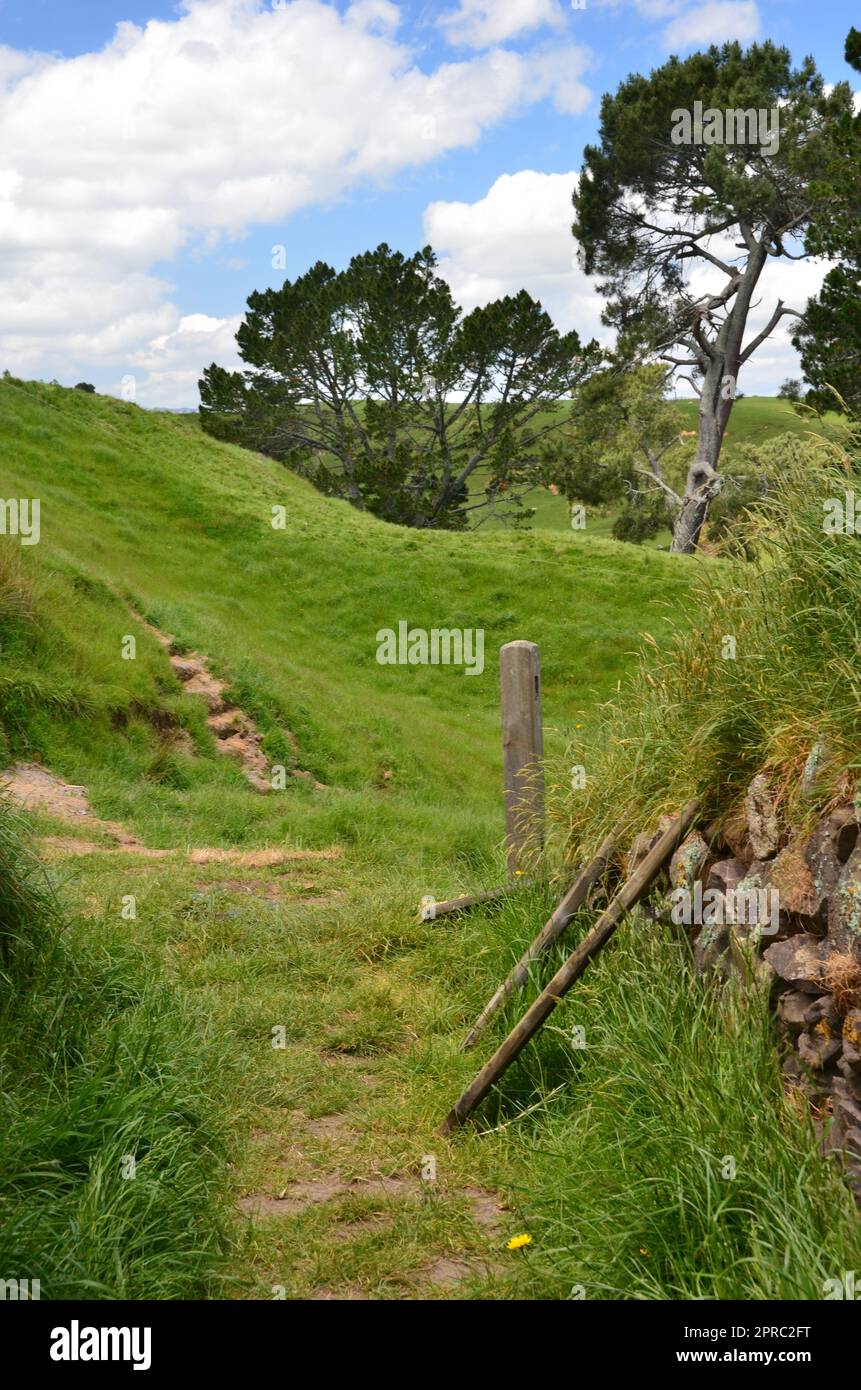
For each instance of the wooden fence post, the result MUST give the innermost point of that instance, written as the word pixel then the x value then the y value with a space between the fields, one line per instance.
pixel 522 753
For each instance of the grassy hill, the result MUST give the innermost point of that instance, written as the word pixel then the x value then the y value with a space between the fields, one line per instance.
pixel 145 511
pixel 162 1045
pixel 755 420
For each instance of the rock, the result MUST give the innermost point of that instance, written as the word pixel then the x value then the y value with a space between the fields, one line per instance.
pixel 792 1068
pixel 791 1008
pixel 790 877
pixel 801 961
pixel 642 843
pixel 711 944
pixel 185 669
pixel 851 1073
pixel 849 1065
pixel 736 834
pixel 852 1032
pixel 229 722
pixel 844 913
pixel 688 860
pixel 824 1010
pixel 812 776
pixel 761 815
pixel 825 854
pixel 847 1119
pixel 818 1047
pixel 726 875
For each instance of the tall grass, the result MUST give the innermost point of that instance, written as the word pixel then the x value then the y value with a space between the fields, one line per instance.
pixel 99 1064
pixel 696 721
pixel 675 1166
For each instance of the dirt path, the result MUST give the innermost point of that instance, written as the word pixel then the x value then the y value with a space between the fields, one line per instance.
pixel 34 788
pixel 235 733
pixel 327 1207
pixel 367 1209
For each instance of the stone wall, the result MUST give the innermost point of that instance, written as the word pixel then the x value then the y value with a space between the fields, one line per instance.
pixel 787 907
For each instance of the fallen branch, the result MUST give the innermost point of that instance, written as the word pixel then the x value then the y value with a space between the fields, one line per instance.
pixel 627 897
pixel 550 932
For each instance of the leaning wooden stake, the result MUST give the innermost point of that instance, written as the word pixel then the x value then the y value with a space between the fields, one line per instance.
pixel 550 932
pixel 629 894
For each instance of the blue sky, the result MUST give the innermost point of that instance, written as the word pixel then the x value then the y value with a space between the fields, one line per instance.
pixel 147 171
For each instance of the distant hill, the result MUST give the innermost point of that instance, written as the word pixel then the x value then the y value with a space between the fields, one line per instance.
pixel 754 420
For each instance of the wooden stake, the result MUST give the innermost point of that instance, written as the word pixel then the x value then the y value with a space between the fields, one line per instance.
pixel 431 909
pixel 522 753
pixel 628 895
pixel 550 932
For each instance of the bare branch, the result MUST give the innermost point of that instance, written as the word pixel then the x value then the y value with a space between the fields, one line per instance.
pixel 660 483
pixel 760 338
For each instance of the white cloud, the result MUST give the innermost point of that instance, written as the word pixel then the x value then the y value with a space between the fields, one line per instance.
pixel 374 14
pixel 556 73
pixel 717 22
pixel 186 133
pixel 482 23
pixel 517 237
pixel 173 361
pixel 695 24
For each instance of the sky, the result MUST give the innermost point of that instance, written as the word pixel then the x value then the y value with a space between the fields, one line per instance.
pixel 159 161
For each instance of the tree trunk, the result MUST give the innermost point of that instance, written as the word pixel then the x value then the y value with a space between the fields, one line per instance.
pixel 703 482
pixel 693 513
pixel 716 402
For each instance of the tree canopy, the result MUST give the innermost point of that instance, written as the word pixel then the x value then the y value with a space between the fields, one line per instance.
pixel 682 229
pixel 373 383
pixel 830 338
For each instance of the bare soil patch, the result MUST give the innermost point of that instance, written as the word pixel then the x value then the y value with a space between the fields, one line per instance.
pixel 235 733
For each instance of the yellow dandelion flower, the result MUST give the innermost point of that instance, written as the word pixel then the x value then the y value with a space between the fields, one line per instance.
pixel 518 1242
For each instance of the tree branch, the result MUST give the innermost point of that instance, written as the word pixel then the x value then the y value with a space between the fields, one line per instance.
pixel 760 338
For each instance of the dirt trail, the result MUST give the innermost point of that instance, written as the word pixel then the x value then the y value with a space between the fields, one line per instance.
pixel 235 733
pixel 34 788
pixel 394 1194
pixel 323 1178
pixel 310 1165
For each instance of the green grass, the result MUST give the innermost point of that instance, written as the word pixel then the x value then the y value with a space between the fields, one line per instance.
pixel 689 1174
pixel 100 1062
pixel 754 420
pixel 145 511
pixel 147 508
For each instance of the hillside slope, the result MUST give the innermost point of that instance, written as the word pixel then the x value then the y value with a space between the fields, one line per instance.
pixel 144 511
pixel 258 1017
pixel 155 840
